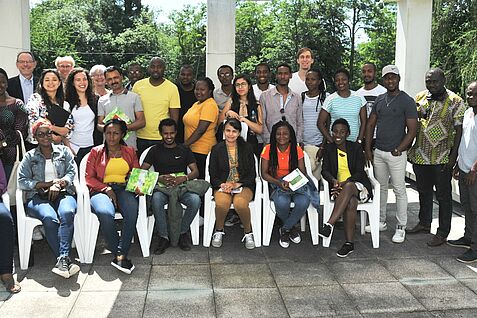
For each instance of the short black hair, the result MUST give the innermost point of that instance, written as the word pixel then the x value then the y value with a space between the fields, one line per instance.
pixel 187 67
pixel 113 68
pixel 372 64
pixel 225 66
pixel 341 121
pixel 2 71
pixel 262 64
pixel 342 71
pixel 26 52
pixel 167 122
pixel 209 83
pixel 284 65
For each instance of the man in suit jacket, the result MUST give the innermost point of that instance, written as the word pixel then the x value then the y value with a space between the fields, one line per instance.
pixel 23 85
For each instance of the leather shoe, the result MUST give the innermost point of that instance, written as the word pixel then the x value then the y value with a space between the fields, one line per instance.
pixel 162 246
pixel 436 240
pixel 418 229
pixel 184 242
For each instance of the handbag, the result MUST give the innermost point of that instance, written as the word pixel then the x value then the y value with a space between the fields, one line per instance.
pixel 12 181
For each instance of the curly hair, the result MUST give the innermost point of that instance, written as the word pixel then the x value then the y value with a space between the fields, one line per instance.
pixel 72 95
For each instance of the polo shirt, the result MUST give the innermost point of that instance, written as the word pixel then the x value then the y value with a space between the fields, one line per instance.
pixel 283 159
pixel 220 97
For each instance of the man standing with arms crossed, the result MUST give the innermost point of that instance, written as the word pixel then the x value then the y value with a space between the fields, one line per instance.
pixel 395 117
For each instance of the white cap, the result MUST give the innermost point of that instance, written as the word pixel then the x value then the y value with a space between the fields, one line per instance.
pixel 390 69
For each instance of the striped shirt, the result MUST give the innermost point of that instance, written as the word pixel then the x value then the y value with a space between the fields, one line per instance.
pixel 347 108
pixel 311 109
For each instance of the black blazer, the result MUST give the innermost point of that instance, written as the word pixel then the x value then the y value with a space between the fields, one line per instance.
pixel 15 88
pixel 355 164
pixel 219 167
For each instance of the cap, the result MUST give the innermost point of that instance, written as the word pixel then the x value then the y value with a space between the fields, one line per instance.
pixel 390 69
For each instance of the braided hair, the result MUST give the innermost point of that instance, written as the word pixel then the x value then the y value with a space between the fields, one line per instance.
pixel 293 157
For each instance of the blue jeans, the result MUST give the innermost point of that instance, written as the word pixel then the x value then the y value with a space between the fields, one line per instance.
pixel 282 200
pixel 189 199
pixel 6 239
pixel 57 218
pixel 105 211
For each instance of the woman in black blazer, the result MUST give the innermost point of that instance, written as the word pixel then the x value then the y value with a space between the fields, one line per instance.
pixel 343 168
pixel 232 175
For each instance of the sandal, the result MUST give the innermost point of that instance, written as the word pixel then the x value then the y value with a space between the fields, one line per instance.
pixel 10 284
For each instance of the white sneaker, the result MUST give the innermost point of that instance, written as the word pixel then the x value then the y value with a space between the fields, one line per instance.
pixel 249 242
pixel 217 239
pixel 382 227
pixel 400 234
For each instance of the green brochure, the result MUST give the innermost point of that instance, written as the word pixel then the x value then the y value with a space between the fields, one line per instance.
pixel 142 180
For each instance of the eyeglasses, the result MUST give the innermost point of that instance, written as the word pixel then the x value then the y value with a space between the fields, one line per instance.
pixel 65 66
pixel 135 72
pixel 41 134
pixel 225 74
pixel 282 111
pixel 241 85
pixel 24 62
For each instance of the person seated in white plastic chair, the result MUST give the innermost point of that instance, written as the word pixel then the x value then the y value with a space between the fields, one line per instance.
pixel 232 176
pixel 46 174
pixel 343 168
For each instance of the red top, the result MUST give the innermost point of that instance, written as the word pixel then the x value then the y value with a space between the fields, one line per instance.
pixel 97 162
pixel 283 168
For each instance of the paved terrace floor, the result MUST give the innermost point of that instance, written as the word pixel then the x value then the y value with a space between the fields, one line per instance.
pixel 406 280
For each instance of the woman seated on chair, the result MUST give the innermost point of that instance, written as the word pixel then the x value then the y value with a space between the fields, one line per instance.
pixel 233 181
pixel 6 239
pixel 343 168
pixel 279 158
pixel 46 175
pixel 107 170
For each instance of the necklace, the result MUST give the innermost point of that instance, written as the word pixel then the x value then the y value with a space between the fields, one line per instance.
pixel 115 153
pixel 392 99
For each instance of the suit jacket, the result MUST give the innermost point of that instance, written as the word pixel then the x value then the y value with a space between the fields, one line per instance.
pixel 355 164
pixel 15 87
pixel 219 167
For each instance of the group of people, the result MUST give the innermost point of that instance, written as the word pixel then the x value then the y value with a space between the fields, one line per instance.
pixel 70 113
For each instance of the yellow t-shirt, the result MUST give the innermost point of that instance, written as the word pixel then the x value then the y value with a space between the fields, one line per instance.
pixel 156 101
pixel 116 171
pixel 343 170
pixel 208 111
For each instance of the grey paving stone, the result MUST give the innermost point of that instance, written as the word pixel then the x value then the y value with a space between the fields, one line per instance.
pixel 360 271
pixel 418 314
pixel 197 255
pixel 180 303
pixel 38 305
pixel 241 276
pixel 409 270
pixel 464 313
pixel 361 252
pixel 260 302
pixel 318 301
pixel 442 294
pixel 457 269
pixel 382 298
pixel 108 278
pixel 470 283
pixel 236 253
pixel 301 274
pixel 112 304
pixel 173 277
pixel 304 252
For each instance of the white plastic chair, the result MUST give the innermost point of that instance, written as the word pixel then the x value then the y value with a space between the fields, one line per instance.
pixel 194 226
pixel 144 225
pixel 255 210
pixel 26 224
pixel 269 211
pixel 371 207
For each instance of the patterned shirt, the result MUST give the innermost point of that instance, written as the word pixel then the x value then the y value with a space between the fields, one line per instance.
pixel 13 117
pixel 435 133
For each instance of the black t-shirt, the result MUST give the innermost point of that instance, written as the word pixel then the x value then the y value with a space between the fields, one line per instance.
pixel 187 100
pixel 169 160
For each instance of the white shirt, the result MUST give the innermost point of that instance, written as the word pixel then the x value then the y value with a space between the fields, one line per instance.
pixel 50 173
pixel 468 141
pixel 82 135
pixel 370 96
pixel 258 92
pixel 296 84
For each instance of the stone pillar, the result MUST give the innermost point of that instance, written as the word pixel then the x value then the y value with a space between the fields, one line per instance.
pixel 14 32
pixel 413 43
pixel 220 45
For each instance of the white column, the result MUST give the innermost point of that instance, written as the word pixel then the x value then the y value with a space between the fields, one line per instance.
pixel 14 32
pixel 220 45
pixel 413 43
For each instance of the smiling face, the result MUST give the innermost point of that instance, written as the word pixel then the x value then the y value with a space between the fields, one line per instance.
pixel 80 82
pixel 471 94
pixel 435 82
pixel 201 91
pixel 368 73
pixel 283 136
pixel 225 75
pixel 51 83
pixel 168 134
pixel 231 133
pixel 185 76
pixel 114 80
pixel 242 87
pixel 64 68
pixel 305 60
pixel 26 65
pixel 43 136
pixel 339 133
pixel 135 73
pixel 391 82
pixel 341 82
pixel 113 135
pixel 98 78
pixel 156 69
pixel 312 81
pixel 262 74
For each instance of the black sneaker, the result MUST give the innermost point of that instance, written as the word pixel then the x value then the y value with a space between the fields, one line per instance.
pixel 284 240
pixel 326 230
pixel 184 241
pixel 295 235
pixel 345 250
pixel 162 246
pixel 123 265
pixel 232 220
pixel 469 256
pixel 62 267
pixel 462 242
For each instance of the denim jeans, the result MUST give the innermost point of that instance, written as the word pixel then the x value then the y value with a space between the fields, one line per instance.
pixel 6 239
pixel 57 218
pixel 468 199
pixel 105 211
pixel 428 176
pixel 385 166
pixel 189 199
pixel 282 200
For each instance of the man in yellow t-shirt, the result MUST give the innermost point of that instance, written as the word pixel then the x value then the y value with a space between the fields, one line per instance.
pixel 160 99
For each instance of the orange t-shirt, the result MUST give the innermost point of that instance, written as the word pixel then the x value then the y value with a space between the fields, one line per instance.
pixel 283 167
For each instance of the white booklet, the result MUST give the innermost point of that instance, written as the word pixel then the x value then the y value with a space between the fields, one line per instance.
pixel 296 179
